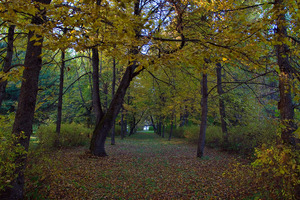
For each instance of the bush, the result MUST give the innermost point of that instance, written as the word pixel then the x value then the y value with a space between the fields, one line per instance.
pixel 117 131
pixel 191 133
pixel 70 135
pixel 244 139
pixel 213 136
pixel 178 132
pixel 279 166
pixel 8 151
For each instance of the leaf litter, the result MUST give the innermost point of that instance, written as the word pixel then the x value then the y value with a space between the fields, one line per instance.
pixel 145 166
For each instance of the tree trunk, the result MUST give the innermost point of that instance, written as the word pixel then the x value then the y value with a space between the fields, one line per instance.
pixel 285 104
pixel 132 126
pixel 112 94
pixel 171 130
pixel 221 104
pixel 26 105
pixel 163 131
pixel 96 89
pixel 7 60
pixel 159 127
pixel 204 109
pixel 184 117
pixel 97 146
pixel 153 124
pixel 60 99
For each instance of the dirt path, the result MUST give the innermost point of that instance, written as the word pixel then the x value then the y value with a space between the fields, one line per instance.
pixel 144 166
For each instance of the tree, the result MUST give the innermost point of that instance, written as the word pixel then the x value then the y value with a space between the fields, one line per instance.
pixel 7 60
pixel 285 105
pixel 204 111
pixel 60 97
pixel 27 99
pixel 221 103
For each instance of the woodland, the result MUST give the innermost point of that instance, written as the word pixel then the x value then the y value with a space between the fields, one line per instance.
pixel 149 99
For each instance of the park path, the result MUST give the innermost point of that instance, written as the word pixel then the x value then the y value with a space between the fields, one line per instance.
pixel 145 166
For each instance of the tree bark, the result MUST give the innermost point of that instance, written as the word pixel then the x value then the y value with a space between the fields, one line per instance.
pixel 7 60
pixel 132 126
pixel 153 124
pixel 204 109
pixel 97 146
pixel 123 125
pixel 112 94
pixel 171 130
pixel 285 104
pixel 159 127
pixel 184 117
pixel 96 89
pixel 26 105
pixel 60 99
pixel 221 104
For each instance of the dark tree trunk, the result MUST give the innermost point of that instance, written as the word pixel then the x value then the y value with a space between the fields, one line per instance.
pixel 112 94
pixel 153 124
pixel 7 60
pixel 163 131
pixel 159 127
pixel 60 99
pixel 184 117
pixel 285 104
pixel 96 89
pixel 204 110
pixel 97 146
pixel 221 104
pixel 132 126
pixel 171 130
pixel 26 106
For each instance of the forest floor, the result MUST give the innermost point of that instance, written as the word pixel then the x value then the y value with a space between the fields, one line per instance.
pixel 145 166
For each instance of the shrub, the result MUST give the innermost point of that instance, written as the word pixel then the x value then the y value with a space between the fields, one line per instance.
pixel 191 133
pixel 178 132
pixel 213 136
pixel 244 139
pixel 117 131
pixel 70 135
pixel 279 166
pixel 8 151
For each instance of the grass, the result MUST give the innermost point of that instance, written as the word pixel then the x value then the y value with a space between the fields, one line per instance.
pixel 144 166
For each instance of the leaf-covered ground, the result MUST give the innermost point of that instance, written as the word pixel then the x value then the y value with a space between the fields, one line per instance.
pixel 144 166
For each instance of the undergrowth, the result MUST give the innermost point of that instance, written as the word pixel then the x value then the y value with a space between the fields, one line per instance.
pixel 70 135
pixel 242 139
pixel 9 152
